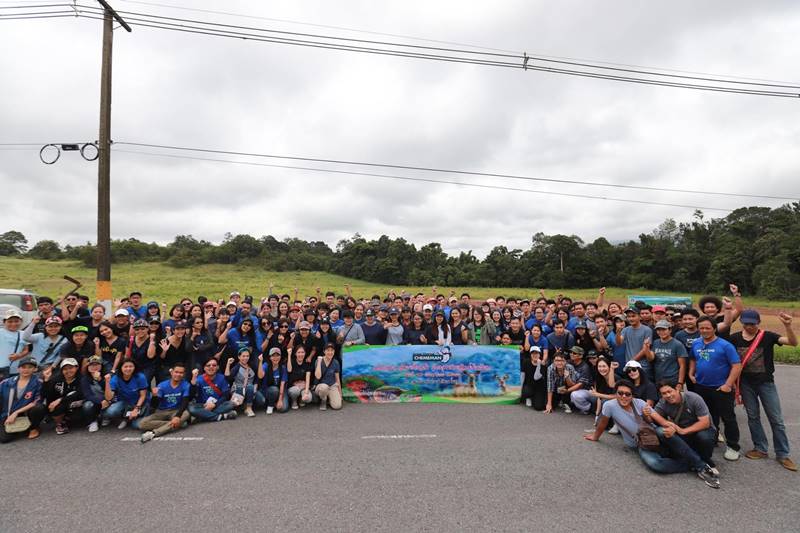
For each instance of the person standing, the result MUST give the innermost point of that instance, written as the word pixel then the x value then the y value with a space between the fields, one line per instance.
pixel 756 347
pixel 636 337
pixel 714 367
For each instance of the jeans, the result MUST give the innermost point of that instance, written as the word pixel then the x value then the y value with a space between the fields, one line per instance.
pixel 582 399
pixel 198 411
pixel 90 411
pixel 118 409
pixel 682 456
pixel 250 394
pixel 767 393
pixel 272 398
pixel 296 393
pixel 720 405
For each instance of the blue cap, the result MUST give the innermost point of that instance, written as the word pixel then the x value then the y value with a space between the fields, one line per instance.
pixel 750 316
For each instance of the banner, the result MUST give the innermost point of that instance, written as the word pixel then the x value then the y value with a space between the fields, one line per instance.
pixel 431 374
pixel 676 301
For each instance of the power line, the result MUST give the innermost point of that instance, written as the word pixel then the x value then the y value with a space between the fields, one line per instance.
pixel 426 180
pixel 450 55
pixel 456 43
pixel 450 171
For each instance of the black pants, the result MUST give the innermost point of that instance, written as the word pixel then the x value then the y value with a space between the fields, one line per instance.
pixel 35 415
pixel 720 405
pixel 536 391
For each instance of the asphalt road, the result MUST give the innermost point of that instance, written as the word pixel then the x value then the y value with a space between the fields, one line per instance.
pixel 386 467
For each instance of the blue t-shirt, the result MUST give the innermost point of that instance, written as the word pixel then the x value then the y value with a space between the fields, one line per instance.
pixel 713 361
pixel 617 351
pixel 206 391
pixel 562 343
pixel 128 391
pixel 169 397
pixel 137 313
pixel 532 321
pixel 10 342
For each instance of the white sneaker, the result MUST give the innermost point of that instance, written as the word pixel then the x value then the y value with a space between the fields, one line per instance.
pixel 731 454
pixel 104 422
pixel 566 408
pixel 231 415
pixel 614 430
pixel 123 424
pixel 270 409
pixel 146 436
pixel 249 412
pixel 528 402
pixel 721 437
pixel 94 426
pixel 323 406
pixel 295 406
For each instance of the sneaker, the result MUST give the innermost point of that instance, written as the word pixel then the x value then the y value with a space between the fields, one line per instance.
pixel 721 437
pixel 323 406
pixel 709 476
pixel 249 412
pixel 528 402
pixel 219 418
pixel 146 436
pixel 123 424
pixel 614 430
pixel 270 409
pixel 105 422
pixel 229 416
pixel 756 454
pixel 94 426
pixel 62 429
pixel 566 408
pixel 295 406
pixel 731 454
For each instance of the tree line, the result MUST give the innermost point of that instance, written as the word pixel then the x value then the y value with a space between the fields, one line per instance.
pixel 756 247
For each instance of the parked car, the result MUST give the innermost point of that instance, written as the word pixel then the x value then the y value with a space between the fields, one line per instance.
pixel 22 300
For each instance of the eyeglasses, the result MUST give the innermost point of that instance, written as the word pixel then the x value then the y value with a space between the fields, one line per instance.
pixel 284 327
pixel 624 394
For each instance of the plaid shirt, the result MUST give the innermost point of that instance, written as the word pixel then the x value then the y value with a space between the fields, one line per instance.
pixel 554 380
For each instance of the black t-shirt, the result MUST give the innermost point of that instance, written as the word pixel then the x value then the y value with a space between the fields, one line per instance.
pixel 298 372
pixel 139 355
pixel 761 365
pixel 109 351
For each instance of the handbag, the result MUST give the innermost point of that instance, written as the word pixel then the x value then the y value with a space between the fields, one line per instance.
pixel 22 423
pixel 236 398
pixel 646 436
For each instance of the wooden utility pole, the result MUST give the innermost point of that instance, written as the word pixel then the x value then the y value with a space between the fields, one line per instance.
pixel 104 293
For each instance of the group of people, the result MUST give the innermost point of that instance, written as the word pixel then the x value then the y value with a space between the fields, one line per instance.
pixel 665 378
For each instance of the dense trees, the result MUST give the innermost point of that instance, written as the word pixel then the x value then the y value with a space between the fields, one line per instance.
pixel 756 247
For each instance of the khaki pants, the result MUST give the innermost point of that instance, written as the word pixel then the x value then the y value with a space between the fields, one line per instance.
pixel 159 422
pixel 331 394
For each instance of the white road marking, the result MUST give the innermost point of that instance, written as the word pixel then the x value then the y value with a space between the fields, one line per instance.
pixel 399 437
pixel 184 439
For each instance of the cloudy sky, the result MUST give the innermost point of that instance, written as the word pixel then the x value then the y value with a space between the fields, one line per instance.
pixel 191 90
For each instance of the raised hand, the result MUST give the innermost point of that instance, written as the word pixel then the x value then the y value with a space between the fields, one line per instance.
pixel 786 318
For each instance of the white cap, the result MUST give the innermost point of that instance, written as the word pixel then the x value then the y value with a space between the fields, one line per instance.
pixel 632 364
pixel 235 293
pixel 12 313
pixel 427 307
pixel 69 361
pixel 536 349
pixel 121 312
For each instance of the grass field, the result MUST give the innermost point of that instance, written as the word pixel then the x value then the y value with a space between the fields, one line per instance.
pixel 167 284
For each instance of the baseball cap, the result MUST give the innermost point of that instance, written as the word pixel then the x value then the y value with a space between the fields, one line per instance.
pixel 591 353
pixel 303 325
pixel 52 320
pixel 150 305
pixel 536 349
pixel 659 309
pixel 369 312
pixel 750 316
pixel 80 329
pixel 663 324
pixel 580 324
pixel 231 304
pixel 632 364
pixel 180 324
pixel 275 350
pixel 234 293
pixel 576 350
pixel 394 311
pixel 427 307
pixel 12 313
pixel 95 360
pixel 632 309
pixel 154 320
pixel 121 312
pixel 69 361
pixel 140 323
pixel 28 360
pixel 329 345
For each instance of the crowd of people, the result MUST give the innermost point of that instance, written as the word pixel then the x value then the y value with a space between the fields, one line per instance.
pixel 665 378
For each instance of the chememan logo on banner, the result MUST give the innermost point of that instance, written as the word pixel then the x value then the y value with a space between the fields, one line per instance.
pixel 433 374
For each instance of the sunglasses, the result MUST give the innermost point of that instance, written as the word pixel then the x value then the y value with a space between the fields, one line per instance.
pixel 284 327
pixel 624 394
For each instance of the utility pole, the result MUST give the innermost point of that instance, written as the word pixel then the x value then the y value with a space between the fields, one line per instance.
pixel 104 293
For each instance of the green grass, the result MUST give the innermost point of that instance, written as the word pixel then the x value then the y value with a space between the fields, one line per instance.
pixel 163 283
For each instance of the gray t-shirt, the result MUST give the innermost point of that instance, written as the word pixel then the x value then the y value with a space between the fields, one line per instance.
pixel 394 335
pixel 665 364
pixel 634 341
pixel 694 408
pixel 625 420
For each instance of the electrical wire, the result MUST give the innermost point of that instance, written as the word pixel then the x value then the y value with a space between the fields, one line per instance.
pixel 446 54
pixel 450 171
pixel 425 180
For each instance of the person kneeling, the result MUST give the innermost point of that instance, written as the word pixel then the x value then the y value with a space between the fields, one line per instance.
pixel 170 400
pixel 628 414
pixel 210 399
pixel 329 385
pixel 21 410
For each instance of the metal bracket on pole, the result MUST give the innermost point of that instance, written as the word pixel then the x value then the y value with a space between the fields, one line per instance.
pixel 525 60
pixel 115 15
